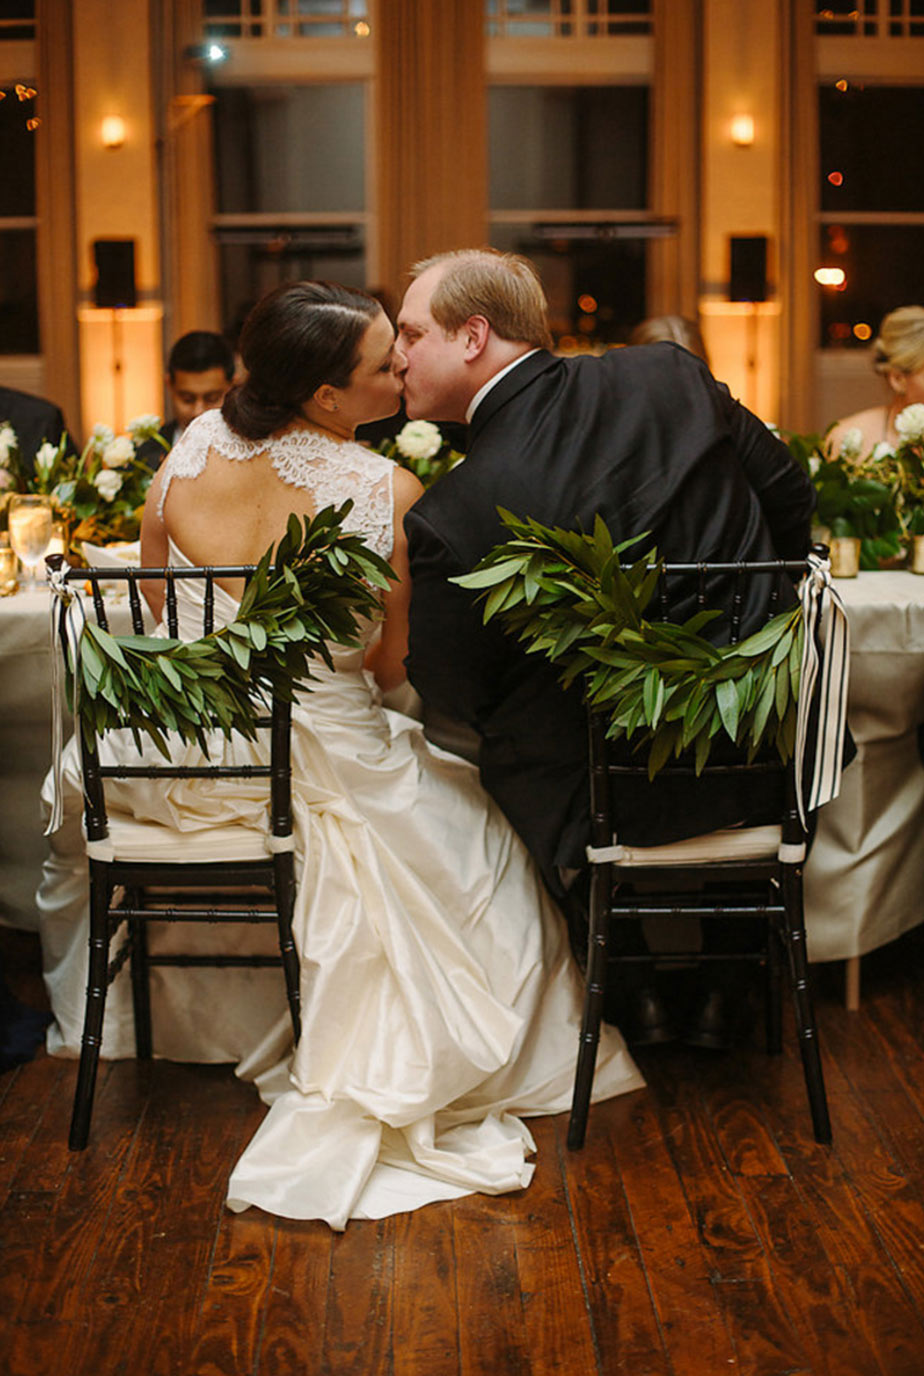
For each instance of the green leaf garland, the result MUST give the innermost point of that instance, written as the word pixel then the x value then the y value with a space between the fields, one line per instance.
pixel 568 596
pixel 310 591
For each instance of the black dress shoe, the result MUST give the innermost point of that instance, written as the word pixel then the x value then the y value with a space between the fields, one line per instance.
pixel 649 1023
pixel 709 1025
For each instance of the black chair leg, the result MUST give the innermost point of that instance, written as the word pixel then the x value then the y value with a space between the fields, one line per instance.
pixel 284 877
pixel 806 1026
pixel 593 1005
pixel 97 983
pixel 774 991
pixel 141 981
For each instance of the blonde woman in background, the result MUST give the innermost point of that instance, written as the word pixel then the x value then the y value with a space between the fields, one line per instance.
pixel 674 328
pixel 898 356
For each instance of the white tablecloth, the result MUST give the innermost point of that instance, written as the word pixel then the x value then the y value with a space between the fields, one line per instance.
pixel 25 745
pixel 864 878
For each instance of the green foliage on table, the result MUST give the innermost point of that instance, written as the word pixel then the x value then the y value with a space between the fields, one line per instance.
pixel 310 591
pixel 568 596
pixel 863 507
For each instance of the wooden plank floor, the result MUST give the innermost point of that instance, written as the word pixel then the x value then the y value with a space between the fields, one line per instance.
pixel 701 1230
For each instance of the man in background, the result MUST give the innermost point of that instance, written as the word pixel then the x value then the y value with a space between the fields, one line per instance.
pixel 200 369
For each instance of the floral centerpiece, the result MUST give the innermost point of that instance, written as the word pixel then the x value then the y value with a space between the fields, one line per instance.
pixel 99 493
pixel 420 446
pixel 856 497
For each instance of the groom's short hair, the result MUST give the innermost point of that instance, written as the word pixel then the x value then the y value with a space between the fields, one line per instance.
pixel 503 287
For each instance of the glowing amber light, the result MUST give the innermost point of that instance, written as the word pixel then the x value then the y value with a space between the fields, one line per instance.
pixel 830 277
pixel 742 130
pixel 862 330
pixel 112 131
pixel 588 304
pixel 361 29
pixel 836 178
pixel 842 85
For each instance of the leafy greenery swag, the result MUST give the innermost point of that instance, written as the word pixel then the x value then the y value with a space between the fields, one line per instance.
pixel 567 595
pixel 309 592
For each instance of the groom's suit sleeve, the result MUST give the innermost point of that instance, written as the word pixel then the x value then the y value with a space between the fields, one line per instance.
pixel 454 661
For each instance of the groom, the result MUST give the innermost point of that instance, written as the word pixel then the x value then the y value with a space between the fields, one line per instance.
pixel 644 436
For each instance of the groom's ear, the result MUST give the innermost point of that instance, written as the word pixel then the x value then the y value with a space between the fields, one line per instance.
pixel 476 331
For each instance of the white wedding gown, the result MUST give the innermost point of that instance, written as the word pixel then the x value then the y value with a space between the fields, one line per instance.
pixel 439 996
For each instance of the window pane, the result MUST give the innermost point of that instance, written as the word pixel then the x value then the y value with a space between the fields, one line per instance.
pixel 568 148
pixel 872 148
pixel 19 333
pixel 17 155
pixel 883 267
pixel 290 148
pixel 13 10
pixel 595 286
pixel 252 263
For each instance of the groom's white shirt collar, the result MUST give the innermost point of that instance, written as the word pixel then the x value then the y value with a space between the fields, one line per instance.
pixel 482 392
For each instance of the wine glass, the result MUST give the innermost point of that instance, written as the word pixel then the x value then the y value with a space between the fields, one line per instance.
pixel 29 518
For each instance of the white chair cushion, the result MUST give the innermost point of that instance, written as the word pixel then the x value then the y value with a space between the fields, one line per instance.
pixel 732 843
pixel 130 840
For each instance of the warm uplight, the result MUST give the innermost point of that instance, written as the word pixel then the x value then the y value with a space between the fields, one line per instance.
pixel 862 330
pixel 742 130
pixel 830 277
pixel 112 131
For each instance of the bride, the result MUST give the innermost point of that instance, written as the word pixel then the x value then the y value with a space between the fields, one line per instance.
pixel 439 997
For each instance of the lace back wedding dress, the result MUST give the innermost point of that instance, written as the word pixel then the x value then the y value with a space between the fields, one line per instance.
pixel 439 998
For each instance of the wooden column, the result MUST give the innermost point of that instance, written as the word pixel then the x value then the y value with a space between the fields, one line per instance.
pixel 189 257
pixel 54 197
pixel 430 132
pixel 676 156
pixel 799 208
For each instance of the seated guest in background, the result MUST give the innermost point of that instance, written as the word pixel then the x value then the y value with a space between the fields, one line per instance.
pixel 34 421
pixel 200 369
pixel 644 437
pixel 674 328
pixel 898 357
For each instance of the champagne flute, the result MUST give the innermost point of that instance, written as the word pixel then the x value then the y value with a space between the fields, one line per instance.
pixel 30 526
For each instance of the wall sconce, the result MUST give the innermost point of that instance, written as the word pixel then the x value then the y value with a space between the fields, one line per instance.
pixel 742 131
pixel 112 131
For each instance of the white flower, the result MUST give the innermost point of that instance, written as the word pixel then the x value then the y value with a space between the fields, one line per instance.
pixel 852 443
pixel 772 427
pixel 814 464
pixel 910 422
pixel 101 435
pixel 45 457
pixel 6 479
pixel 118 452
pixel 420 439
pixel 143 427
pixel 8 442
pixel 107 483
pixel 882 451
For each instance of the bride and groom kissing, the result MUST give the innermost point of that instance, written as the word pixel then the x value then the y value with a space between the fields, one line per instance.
pixel 440 998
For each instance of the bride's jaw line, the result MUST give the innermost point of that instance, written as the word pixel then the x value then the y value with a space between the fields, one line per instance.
pixel 372 392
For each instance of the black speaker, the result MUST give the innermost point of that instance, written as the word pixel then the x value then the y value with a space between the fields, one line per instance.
pixel 115 273
pixel 747 278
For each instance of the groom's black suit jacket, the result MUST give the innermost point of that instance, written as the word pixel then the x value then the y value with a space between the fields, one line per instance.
pixel 647 438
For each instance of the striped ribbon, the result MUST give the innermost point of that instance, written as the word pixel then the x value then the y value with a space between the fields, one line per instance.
pixel 825 625
pixel 74 619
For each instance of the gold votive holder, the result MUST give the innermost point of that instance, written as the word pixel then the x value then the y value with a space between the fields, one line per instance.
pixel 9 566
pixel 845 556
pixel 917 554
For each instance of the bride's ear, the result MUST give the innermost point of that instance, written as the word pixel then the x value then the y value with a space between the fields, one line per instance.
pixel 326 398
pixel 476 331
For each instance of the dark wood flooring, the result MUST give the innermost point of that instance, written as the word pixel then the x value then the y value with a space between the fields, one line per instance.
pixel 701 1230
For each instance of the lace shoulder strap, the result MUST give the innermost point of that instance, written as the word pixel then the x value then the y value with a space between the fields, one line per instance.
pixel 187 457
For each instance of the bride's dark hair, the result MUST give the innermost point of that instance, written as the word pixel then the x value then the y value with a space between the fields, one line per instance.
pixel 294 340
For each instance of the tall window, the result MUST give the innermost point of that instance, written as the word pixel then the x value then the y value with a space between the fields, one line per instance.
pixel 19 331
pixel 291 187
pixel 569 189
pixel 872 203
